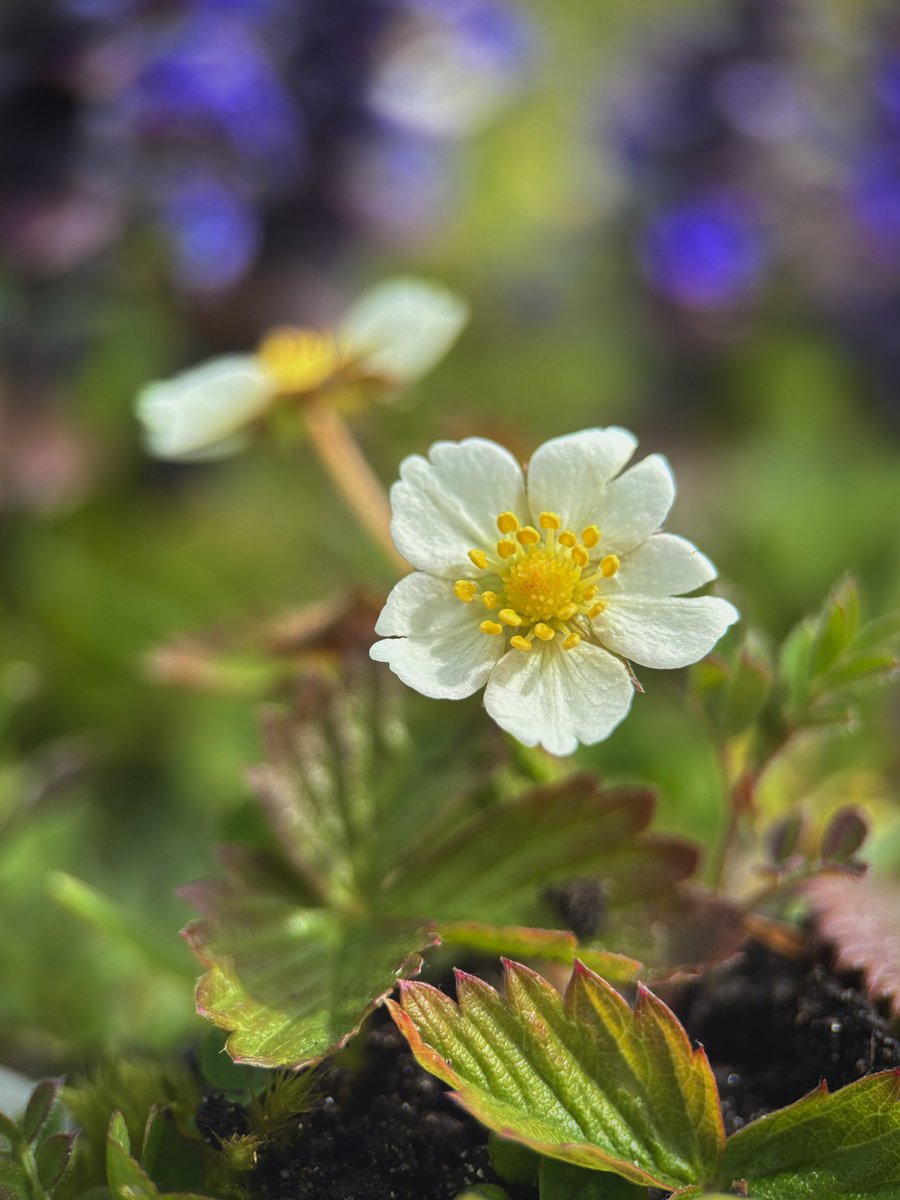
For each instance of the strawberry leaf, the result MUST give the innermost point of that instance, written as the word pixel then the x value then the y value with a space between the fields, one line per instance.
pixel 583 1079
pixel 842 1145
pixel 860 916
pixel 40 1105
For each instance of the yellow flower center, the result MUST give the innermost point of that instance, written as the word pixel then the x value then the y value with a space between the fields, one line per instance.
pixel 541 583
pixel 299 360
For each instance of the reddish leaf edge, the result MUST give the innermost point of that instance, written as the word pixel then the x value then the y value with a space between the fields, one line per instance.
pixel 579 1154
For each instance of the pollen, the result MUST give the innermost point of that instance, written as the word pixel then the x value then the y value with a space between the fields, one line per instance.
pixel 479 559
pixel 549 520
pixel 539 584
pixel 590 536
pixel 544 632
pixel 507 522
pixel 490 599
pixel 299 360
pixel 509 617
pixel 520 643
pixel 567 538
pixel 506 549
pixel 464 589
pixel 571 641
pixel 580 555
pixel 609 565
pixel 490 627
pixel 528 536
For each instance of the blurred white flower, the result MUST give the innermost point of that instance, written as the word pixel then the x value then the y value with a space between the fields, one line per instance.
pixel 204 410
pixel 390 337
pixel 538 590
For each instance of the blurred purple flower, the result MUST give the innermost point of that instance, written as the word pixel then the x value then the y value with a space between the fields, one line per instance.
pixel 704 253
pixel 213 232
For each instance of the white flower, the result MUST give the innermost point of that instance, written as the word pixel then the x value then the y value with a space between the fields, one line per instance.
pixel 392 335
pixel 399 330
pixel 538 589
pixel 204 410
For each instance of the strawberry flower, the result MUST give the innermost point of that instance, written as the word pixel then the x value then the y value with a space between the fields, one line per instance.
pixel 539 588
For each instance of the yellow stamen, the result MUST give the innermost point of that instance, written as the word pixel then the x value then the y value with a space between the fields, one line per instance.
pixel 567 538
pixel 571 641
pixel 490 627
pixel 566 612
pixel 479 559
pixel 609 565
pixel 509 616
pixel 580 555
pixel 544 632
pixel 520 643
pixel 590 536
pixel 464 589
pixel 490 599
pixel 550 520
pixel 597 609
pixel 507 522
pixel 589 593
pixel 528 536
pixel 506 549
pixel 298 360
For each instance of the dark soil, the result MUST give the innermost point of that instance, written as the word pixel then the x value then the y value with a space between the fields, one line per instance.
pixel 772 1028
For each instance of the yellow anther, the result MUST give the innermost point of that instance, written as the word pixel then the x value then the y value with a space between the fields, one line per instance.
pixel 550 521
pixel 609 565
pixel 509 616
pixel 464 589
pixel 544 632
pixel 567 538
pixel 571 641
pixel 479 559
pixel 507 522
pixel 590 536
pixel 589 593
pixel 567 612
pixel 298 360
pixel 597 609
pixel 506 549
pixel 528 536
pixel 520 643
pixel 580 555
pixel 490 627
pixel 490 599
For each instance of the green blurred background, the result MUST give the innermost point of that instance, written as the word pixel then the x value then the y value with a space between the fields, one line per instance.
pixel 768 390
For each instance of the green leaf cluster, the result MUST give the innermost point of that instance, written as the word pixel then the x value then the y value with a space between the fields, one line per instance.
pixel 163 1161
pixel 34 1154
pixel 617 1100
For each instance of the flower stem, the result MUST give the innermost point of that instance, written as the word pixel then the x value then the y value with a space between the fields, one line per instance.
pixel 352 475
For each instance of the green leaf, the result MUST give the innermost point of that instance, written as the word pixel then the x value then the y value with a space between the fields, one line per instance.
pixel 127 1181
pixel 837 625
pixel 583 1079
pixel 293 982
pixel 550 945
pixel 563 1181
pixel 9 1129
pixel 842 1145
pixel 118 1131
pixel 52 1159
pixel 40 1105
pixel 513 1162
pixel 13 1179
pixel 169 1158
pixel 222 1073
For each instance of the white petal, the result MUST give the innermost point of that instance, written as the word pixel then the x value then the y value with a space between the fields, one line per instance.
pixel 449 505
pixel 635 505
pixel 444 655
pixel 203 407
pixel 558 698
pixel 402 328
pixel 664 631
pixel 664 565
pixel 568 474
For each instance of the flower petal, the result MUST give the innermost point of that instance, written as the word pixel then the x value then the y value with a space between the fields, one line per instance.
pixel 558 698
pixel 433 641
pixel 567 475
pixel 449 505
pixel 635 505
pixel 664 565
pixel 204 407
pixel 664 631
pixel 402 328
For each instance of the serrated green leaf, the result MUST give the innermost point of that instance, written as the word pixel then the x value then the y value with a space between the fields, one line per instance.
pixel 842 1145
pixel 52 1159
pixel 563 1181
pixel 40 1105
pixel 292 982
pixel 550 945
pixel 584 1079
